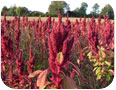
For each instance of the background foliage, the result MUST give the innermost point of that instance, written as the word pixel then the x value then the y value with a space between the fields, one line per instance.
pixel 60 7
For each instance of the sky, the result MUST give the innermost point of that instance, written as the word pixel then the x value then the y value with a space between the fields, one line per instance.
pixel 42 5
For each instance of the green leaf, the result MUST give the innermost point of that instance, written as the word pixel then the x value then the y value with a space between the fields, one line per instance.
pixel 108 77
pixel 93 60
pixel 89 55
pixel 102 54
pixel 98 47
pixel 102 63
pixel 106 68
pixel 100 58
pixel 99 76
pixel 108 63
pixel 97 70
pixel 96 64
pixel 60 57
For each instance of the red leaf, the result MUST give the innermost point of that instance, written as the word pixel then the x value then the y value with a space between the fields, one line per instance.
pixel 42 79
pixel 35 73
pixel 111 72
pixel 69 83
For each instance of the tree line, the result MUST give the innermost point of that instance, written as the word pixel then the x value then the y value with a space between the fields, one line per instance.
pixel 60 7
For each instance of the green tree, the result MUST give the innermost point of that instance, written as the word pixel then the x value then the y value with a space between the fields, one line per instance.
pixel 58 7
pixel 12 11
pixel 36 13
pixel 108 11
pixel 95 9
pixel 4 10
pixel 77 12
pixel 21 10
pixel 83 9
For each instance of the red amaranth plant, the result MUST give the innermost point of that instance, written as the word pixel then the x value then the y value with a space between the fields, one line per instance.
pixel 59 51
pixel 17 33
pixel 68 23
pixel 57 47
pixel 30 62
pixel 20 64
pixel 30 65
pixel 7 46
pixel 53 44
pixel 108 31
pixel 93 39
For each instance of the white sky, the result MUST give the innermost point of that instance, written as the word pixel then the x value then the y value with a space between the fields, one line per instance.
pixel 42 5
